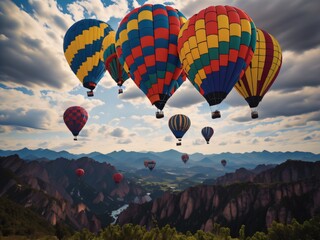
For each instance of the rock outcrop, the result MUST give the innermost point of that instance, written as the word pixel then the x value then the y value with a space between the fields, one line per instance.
pixel 290 190
pixel 52 189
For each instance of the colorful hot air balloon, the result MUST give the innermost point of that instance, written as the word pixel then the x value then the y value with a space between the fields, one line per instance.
pixel 110 58
pixel 215 46
pixel 207 133
pixel 82 49
pixel 151 164
pixel 185 158
pixel 146 44
pixel 262 72
pixel 179 125
pixel 79 172
pixel 75 118
pixel 223 162
pixel 117 177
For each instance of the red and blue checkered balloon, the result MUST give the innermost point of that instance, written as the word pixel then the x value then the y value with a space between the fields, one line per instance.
pixel 146 44
pixel 75 118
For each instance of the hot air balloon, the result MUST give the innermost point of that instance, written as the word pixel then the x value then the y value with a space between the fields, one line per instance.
pixel 82 49
pixel 215 46
pixel 207 133
pixel 179 125
pixel 223 162
pixel 110 58
pixel 151 164
pixel 79 172
pixel 185 158
pixel 117 177
pixel 146 44
pixel 145 163
pixel 262 72
pixel 75 118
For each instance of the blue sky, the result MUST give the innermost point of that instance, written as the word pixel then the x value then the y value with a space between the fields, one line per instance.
pixel 37 85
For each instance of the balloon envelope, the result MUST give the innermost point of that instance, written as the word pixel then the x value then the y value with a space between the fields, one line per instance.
pixel 179 125
pixel 82 48
pixel 79 172
pixel 207 133
pixel 215 46
pixel 223 162
pixel 117 177
pixel 146 44
pixel 151 164
pixel 111 61
pixel 263 70
pixel 75 118
pixel 185 157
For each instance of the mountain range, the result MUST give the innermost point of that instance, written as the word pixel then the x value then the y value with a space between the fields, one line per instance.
pixel 170 159
pixel 253 189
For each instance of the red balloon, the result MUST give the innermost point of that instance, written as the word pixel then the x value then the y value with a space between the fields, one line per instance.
pixel 185 158
pixel 117 177
pixel 79 172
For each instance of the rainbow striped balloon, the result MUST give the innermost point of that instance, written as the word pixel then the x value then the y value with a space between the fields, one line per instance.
pixel 215 47
pixel 263 70
pixel 82 48
pixel 146 44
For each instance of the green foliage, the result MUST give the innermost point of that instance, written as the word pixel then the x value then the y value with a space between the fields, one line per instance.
pixel 308 230
pixel 17 220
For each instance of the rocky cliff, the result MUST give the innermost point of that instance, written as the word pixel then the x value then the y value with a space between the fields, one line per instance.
pixel 52 189
pixel 290 190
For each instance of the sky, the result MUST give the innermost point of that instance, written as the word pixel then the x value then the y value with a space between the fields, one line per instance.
pixel 37 85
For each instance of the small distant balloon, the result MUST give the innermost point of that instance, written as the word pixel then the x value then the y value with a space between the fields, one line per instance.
pixel 185 158
pixel 151 164
pixel 223 162
pixel 117 177
pixel 79 172
pixel 207 133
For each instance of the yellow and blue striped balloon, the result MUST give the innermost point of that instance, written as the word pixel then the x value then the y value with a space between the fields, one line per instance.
pixel 82 49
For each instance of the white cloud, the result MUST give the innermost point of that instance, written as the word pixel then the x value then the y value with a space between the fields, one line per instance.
pixel 96 9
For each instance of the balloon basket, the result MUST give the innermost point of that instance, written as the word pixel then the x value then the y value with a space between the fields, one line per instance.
pixel 75 139
pixel 254 114
pixel 159 115
pixel 178 143
pixel 120 91
pixel 90 93
pixel 215 114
